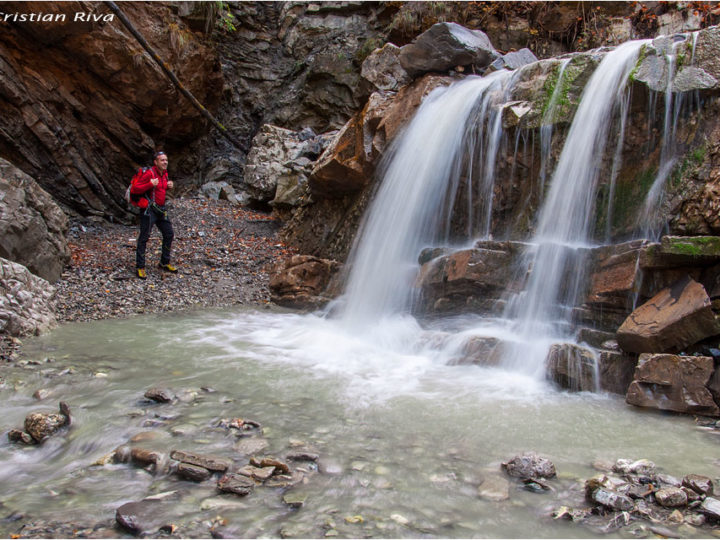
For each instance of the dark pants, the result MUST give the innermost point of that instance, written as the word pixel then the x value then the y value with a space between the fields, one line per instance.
pixel 147 219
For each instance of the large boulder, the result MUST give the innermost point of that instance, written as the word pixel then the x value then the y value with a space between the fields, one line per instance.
pixel 32 226
pixel 673 383
pixel 303 282
pixel 280 162
pixel 445 46
pixel 676 317
pixel 572 367
pixel 614 275
pixel 383 69
pixel 27 302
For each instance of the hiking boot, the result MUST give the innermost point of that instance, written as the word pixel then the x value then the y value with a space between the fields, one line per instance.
pixel 141 273
pixel 168 268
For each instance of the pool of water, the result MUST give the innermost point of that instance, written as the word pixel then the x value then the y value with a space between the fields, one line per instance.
pixel 405 439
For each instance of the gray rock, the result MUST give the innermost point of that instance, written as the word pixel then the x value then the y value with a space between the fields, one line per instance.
pixel 216 190
pixel 445 46
pixel 27 302
pixel 613 500
pixel 514 60
pixel 572 367
pixel 32 225
pixel 139 517
pixel 383 69
pixel 711 508
pixel 294 500
pixel 212 463
pixel 494 488
pixel 529 465
pixel 302 455
pixel 671 497
pixel 698 483
pixel 693 78
pixel 629 466
pixel 236 483
pixel 251 445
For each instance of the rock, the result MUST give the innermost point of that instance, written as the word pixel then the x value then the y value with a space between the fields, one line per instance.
pixel 613 500
pixel 294 500
pixel 673 383
pixel 445 46
pixel 693 78
pixel 460 277
pixel 529 465
pixel 382 68
pixel 671 497
pixel 302 281
pixel 193 472
pixel 268 461
pixel 160 395
pixel 494 488
pixel 616 371
pixel 700 484
pixel 615 275
pixel 146 457
pixel 572 367
pixel 32 225
pixel 711 508
pixel 217 190
pixel 140 517
pixel 629 466
pixel 514 60
pixel 236 483
pixel 674 318
pixel 27 302
pixel 18 436
pixel 280 162
pixel 41 426
pixel 681 251
pixel 480 351
pixel 302 455
pixel 209 462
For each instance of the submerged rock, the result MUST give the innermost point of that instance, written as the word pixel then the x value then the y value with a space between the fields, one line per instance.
pixel 140 517
pixel 209 462
pixel 494 488
pixel 193 472
pixel 160 395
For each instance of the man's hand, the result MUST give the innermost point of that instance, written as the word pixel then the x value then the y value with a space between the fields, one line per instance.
pixel 154 181
pixel 170 184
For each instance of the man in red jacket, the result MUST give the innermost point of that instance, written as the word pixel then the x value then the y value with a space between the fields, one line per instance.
pixel 153 185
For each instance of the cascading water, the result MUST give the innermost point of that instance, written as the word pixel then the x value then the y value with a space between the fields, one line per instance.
pixel 424 166
pixel 557 251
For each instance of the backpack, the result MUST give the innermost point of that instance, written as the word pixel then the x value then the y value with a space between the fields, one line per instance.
pixel 133 198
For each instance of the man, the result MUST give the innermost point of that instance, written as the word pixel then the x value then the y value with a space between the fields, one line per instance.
pixel 152 185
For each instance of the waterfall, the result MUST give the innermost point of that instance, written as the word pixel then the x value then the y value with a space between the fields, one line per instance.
pixel 424 164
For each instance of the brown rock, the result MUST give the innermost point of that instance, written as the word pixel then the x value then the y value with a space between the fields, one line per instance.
pixel 349 163
pixel 700 484
pixel 529 465
pixel 144 456
pixel 673 383
pixel 616 371
pixel 302 281
pixel 236 483
pixel 212 463
pixel 673 319
pixel 571 367
pixel 671 497
pixel 193 472
pixel 281 466
pixel 615 274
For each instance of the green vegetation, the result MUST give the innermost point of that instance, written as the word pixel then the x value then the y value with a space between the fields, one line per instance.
pixel 691 161
pixel 695 247
pixel 628 199
pixel 368 46
pixel 225 19
pixel 641 56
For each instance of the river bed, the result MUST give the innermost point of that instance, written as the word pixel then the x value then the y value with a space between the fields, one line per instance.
pixel 404 439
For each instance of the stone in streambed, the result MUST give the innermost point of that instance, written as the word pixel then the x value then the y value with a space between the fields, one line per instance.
pixel 160 395
pixel 494 488
pixel 209 462
pixel 711 508
pixel 236 483
pixel 671 497
pixel 140 517
pixel 700 484
pixel 268 461
pixel 294 500
pixel 612 499
pixel 530 465
pixel 40 426
pixel 193 472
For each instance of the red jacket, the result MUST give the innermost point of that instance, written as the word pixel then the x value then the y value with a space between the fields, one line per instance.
pixel 144 187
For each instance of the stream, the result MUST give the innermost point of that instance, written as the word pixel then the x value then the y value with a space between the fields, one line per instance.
pixel 404 438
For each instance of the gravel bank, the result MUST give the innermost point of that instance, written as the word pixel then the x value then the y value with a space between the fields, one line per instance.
pixel 222 252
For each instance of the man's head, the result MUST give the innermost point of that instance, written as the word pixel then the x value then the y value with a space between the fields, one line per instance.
pixel 161 161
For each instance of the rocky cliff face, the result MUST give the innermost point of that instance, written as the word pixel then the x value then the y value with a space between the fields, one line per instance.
pixel 83 103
